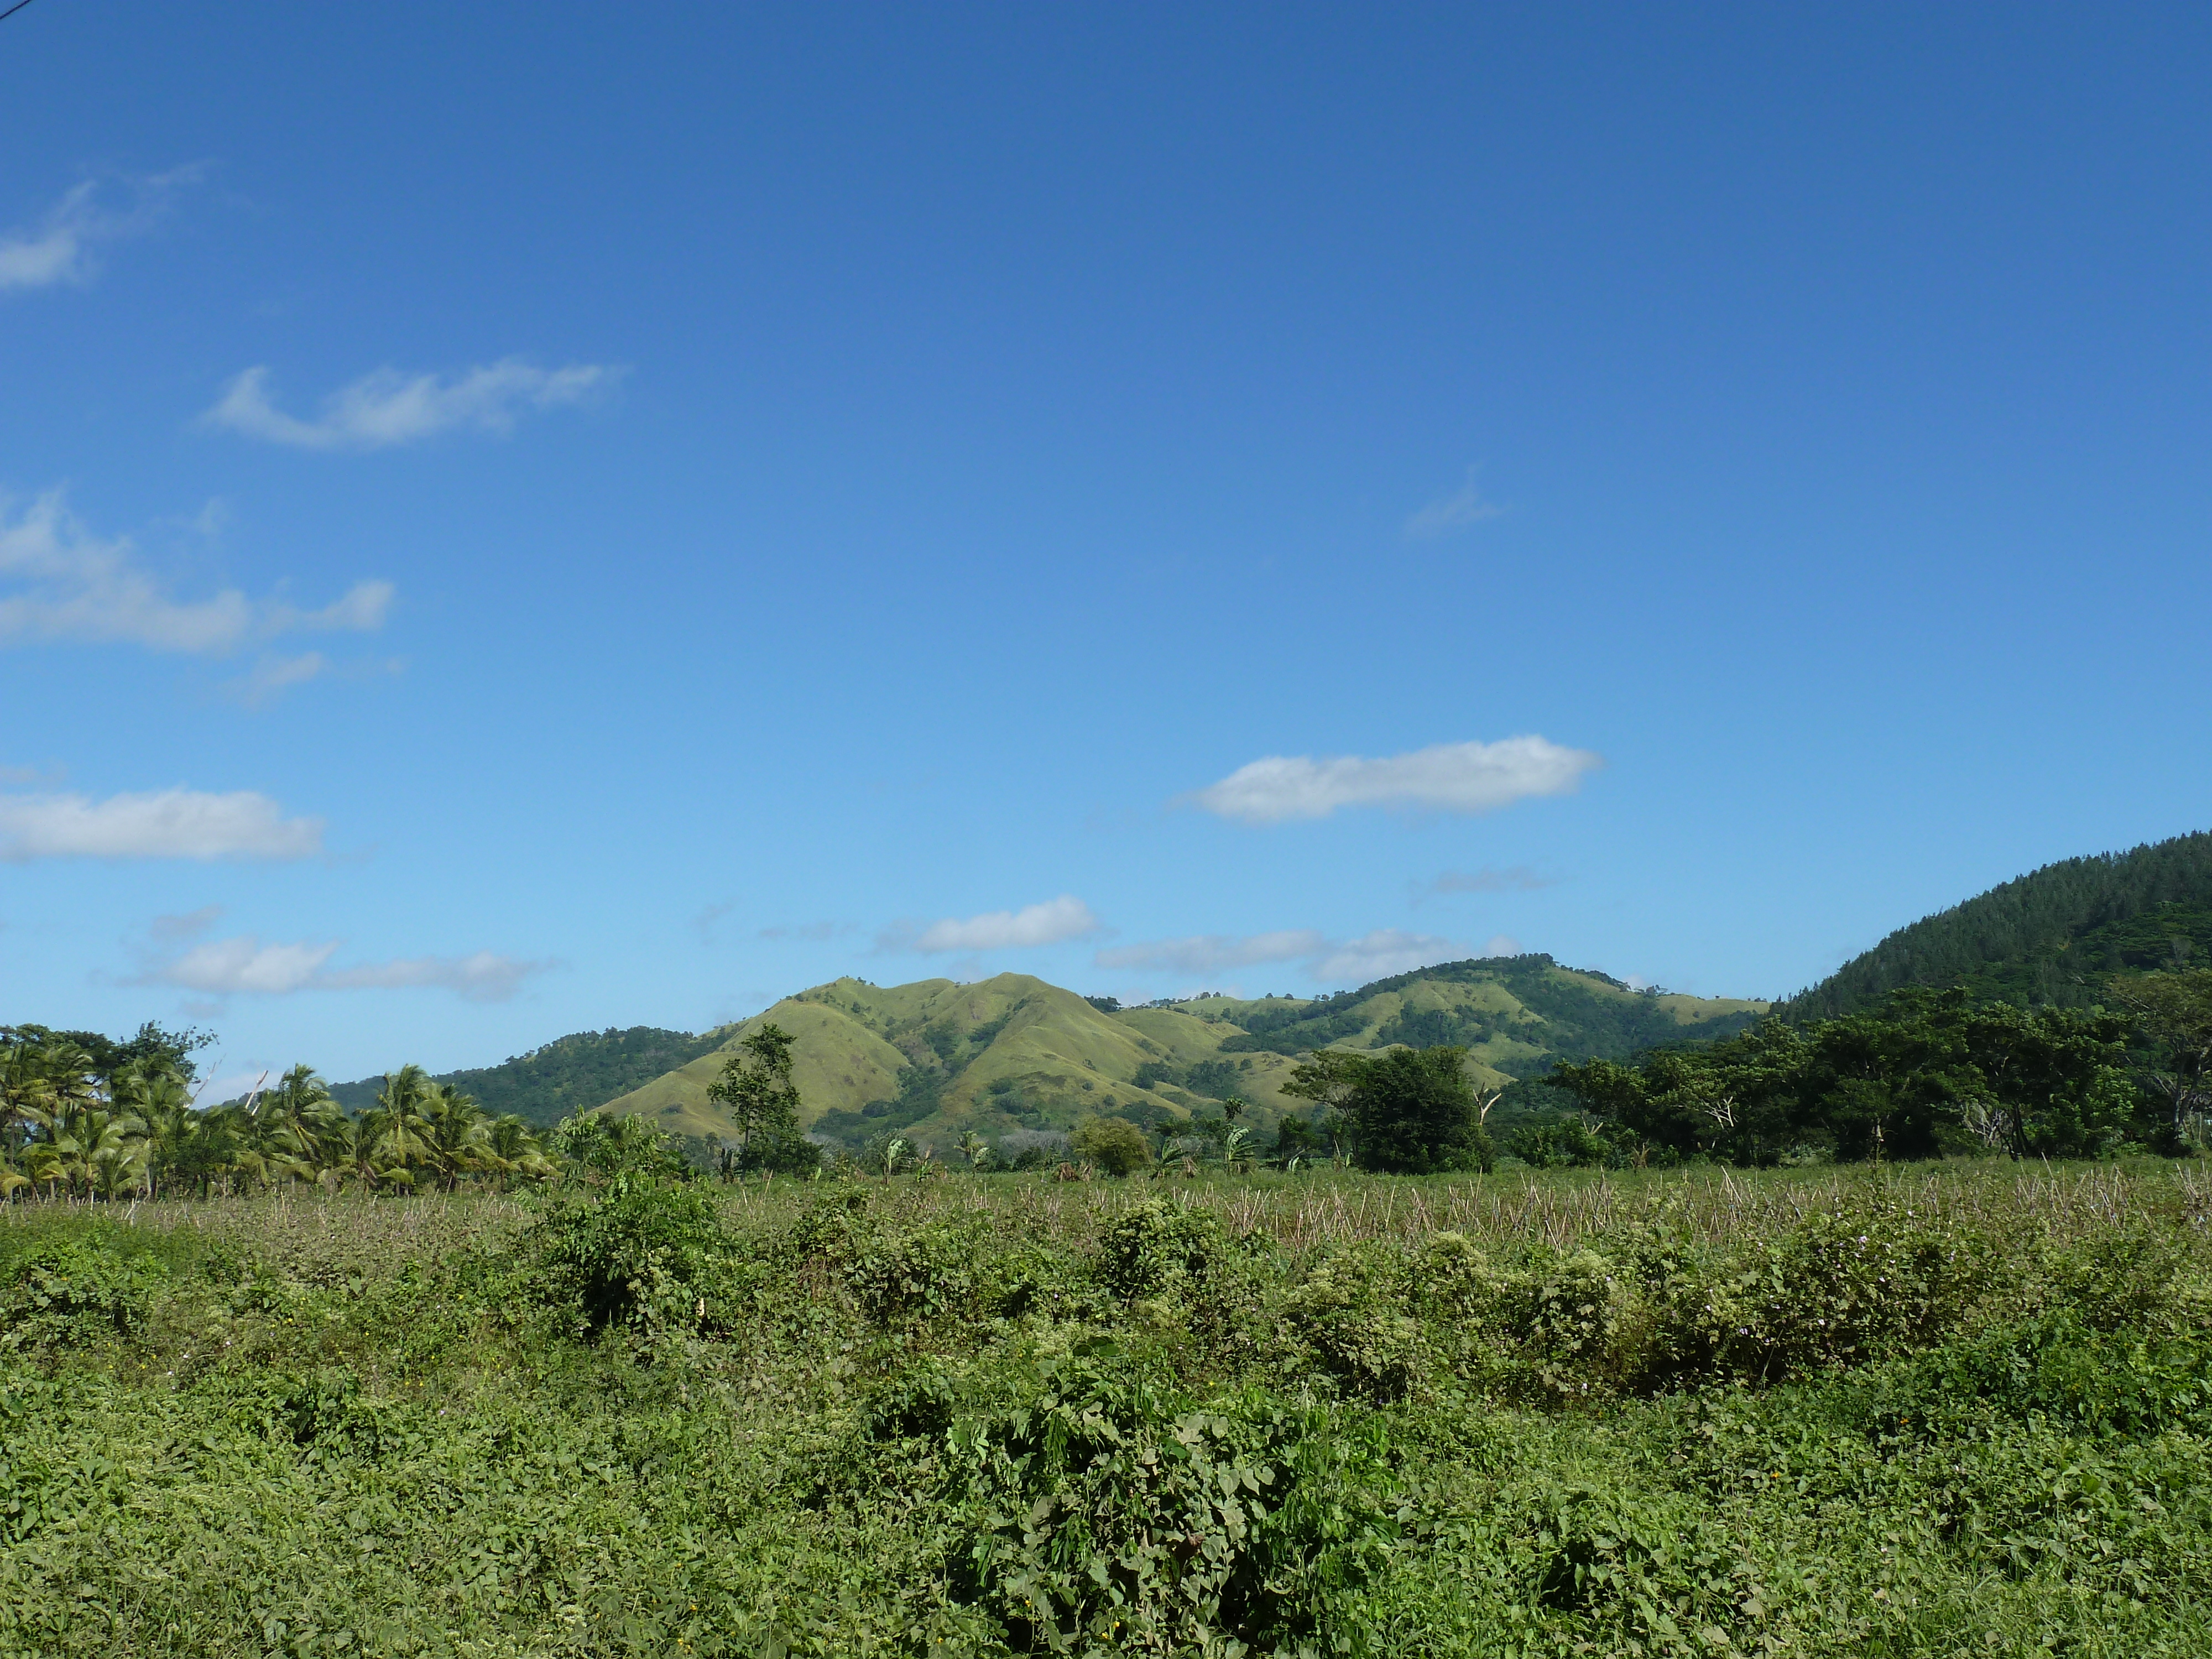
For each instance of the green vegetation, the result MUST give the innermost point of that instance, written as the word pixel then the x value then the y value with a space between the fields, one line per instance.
pixel 934 1060
pixel 77 1122
pixel 2056 937
pixel 1931 1073
pixel 1961 1409
pixel 569 1075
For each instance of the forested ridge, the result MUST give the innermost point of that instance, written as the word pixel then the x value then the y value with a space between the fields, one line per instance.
pixel 568 1075
pixel 2049 938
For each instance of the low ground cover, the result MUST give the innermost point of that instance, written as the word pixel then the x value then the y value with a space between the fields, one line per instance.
pixel 1944 1409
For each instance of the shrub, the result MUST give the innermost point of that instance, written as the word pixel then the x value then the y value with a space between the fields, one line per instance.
pixel 1158 1250
pixel 1351 1328
pixel 644 1256
pixel 1108 1511
pixel 912 1276
pixel 69 1292
pixel 1114 1143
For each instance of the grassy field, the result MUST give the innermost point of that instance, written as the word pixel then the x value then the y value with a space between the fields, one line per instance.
pixel 1958 1409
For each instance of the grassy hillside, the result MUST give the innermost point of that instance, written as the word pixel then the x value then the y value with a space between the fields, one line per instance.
pixel 936 1058
pixel 569 1075
pixel 2049 938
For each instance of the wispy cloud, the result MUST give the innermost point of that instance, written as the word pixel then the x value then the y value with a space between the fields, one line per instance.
pixel 168 824
pixel 1215 953
pixel 61 247
pixel 273 675
pixel 246 965
pixel 1328 962
pixel 1386 951
pixel 1454 512
pixel 191 925
pixel 58 581
pixel 1450 777
pixel 1049 923
pixel 386 407
pixel 1520 879
pixel 813 932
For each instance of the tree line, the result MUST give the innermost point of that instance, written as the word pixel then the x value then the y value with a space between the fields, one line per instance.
pixel 84 1116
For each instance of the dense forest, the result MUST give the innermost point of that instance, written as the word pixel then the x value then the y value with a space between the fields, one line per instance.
pixel 2051 937
pixel 1576 1020
pixel 569 1075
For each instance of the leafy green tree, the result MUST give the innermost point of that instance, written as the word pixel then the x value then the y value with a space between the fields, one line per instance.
pixel 1415 1110
pixel 1114 1143
pixel 1330 1078
pixel 756 1086
pixel 1930 1072
pixel 618 1148
pixel 2175 1010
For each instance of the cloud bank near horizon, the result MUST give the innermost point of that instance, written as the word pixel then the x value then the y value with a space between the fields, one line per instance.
pixel 1052 922
pixel 1375 955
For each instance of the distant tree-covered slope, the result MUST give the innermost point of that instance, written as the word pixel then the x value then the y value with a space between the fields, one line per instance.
pixel 1515 1015
pixel 936 1057
pixel 569 1075
pixel 2050 938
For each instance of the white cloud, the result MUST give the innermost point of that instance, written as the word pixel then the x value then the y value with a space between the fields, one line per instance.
pixel 482 978
pixel 1329 961
pixel 1454 512
pixel 168 824
pixel 235 966
pixel 1214 953
pixel 1384 952
pixel 225 966
pixel 1063 918
pixel 386 407
pixel 64 583
pixel 1502 945
pixel 1450 777
pixel 60 249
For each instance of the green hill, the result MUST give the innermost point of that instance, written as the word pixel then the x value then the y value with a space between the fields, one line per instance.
pixel 2049 938
pixel 1012 1053
pixel 569 1075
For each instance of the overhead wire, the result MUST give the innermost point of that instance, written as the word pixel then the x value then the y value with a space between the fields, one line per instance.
pixel 12 10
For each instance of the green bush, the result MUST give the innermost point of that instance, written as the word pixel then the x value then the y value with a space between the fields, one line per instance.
pixel 910 1277
pixel 1109 1511
pixel 1114 1143
pixel 647 1257
pixel 69 1291
pixel 1158 1250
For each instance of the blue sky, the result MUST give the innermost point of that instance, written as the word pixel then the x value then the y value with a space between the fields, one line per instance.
pixel 528 519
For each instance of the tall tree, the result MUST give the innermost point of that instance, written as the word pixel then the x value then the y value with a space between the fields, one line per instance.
pixel 1416 1112
pixel 756 1085
pixel 2175 1010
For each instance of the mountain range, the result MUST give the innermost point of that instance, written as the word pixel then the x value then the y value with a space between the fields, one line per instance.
pixel 1013 1053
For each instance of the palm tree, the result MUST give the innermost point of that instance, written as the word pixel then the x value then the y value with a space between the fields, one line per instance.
pixel 510 1148
pixel 453 1129
pixel 299 1126
pixel 393 1136
pixel 173 1131
pixel 115 1155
